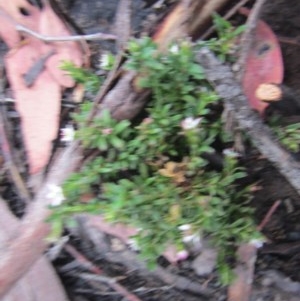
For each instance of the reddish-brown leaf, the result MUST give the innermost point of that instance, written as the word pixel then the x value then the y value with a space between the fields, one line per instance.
pixel 263 65
pixel 51 25
pixel 38 104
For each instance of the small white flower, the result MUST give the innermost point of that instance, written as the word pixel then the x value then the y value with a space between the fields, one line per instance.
pixel 55 195
pixel 133 245
pixel 229 152
pixel 190 123
pixel 258 243
pixel 188 238
pixel 192 239
pixel 67 133
pixel 104 61
pixel 184 227
pixel 174 49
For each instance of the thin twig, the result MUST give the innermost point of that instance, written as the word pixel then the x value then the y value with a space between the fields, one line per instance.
pixel 108 82
pixel 82 259
pixel 112 283
pixel 10 165
pixel 247 37
pixel 88 37
pixel 98 275
pixel 123 26
pixel 286 40
pixel 122 30
pixel 268 215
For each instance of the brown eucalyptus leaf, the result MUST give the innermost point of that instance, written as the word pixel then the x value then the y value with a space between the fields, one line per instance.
pixel 20 12
pixel 38 106
pixel 38 103
pixel 264 64
pixel 8 32
pixel 51 25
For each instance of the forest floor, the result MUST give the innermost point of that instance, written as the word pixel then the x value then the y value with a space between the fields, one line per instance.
pixel 277 275
pixel 276 261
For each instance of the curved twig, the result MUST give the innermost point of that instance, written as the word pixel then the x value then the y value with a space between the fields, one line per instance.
pixel 88 37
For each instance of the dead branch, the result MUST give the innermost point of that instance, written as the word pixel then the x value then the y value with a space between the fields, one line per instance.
pixel 123 23
pixel 261 136
pixel 131 261
pixel 268 216
pixel 240 289
pixel 32 286
pixel 28 239
pixel 97 275
pixel 124 107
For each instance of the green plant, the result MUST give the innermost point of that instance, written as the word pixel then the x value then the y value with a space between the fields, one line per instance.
pixel 223 44
pixel 107 61
pixel 90 80
pixel 288 135
pixel 154 175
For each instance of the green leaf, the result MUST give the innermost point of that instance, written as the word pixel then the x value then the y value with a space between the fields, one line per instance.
pixel 121 126
pixel 117 142
pixel 102 143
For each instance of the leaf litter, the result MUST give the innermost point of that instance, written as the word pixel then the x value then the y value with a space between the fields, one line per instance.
pixel 37 96
pixel 48 72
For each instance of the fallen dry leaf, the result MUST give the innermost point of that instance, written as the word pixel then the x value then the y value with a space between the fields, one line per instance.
pixel 263 65
pixel 173 26
pixel 39 107
pixel 39 104
pixel 51 25
pixel 174 170
pixel 16 12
